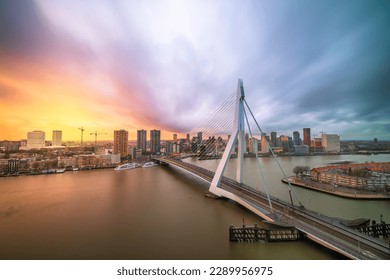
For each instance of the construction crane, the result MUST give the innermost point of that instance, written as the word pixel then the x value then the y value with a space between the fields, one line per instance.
pixel 82 131
pixel 96 134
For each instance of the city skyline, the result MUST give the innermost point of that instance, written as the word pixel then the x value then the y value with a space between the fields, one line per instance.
pixel 130 65
pixel 57 136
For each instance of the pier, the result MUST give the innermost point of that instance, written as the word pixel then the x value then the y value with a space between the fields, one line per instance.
pixel 255 234
pixel 377 230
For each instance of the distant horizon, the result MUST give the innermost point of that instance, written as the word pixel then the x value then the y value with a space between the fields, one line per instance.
pixel 169 137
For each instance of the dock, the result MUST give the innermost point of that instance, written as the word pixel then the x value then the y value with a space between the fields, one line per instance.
pixel 376 230
pixel 256 234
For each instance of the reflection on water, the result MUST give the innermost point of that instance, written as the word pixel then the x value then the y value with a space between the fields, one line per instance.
pixel 155 213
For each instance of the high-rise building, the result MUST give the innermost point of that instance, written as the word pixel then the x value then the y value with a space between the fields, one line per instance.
pixel 121 142
pixel 175 137
pixel 254 145
pixel 296 138
pixel 135 153
pixel 168 147
pixel 306 136
pixel 141 140
pixel 155 141
pixel 331 143
pixel 264 145
pixel 200 137
pixel 35 139
pixel 57 138
pixel 273 139
pixel 284 143
pixel 316 145
pixel 247 142
pixel 188 137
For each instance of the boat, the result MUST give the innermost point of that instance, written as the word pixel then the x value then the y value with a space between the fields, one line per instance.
pixel 75 169
pixel 49 171
pixel 149 164
pixel 62 170
pixel 127 166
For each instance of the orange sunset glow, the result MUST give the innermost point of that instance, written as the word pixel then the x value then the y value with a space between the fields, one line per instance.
pixel 45 97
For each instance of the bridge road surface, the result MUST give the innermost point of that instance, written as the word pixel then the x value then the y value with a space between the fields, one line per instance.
pixel 321 229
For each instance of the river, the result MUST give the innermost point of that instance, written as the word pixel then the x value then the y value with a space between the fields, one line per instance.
pixel 155 213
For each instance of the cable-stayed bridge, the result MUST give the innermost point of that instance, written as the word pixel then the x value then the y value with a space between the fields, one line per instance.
pixel 324 230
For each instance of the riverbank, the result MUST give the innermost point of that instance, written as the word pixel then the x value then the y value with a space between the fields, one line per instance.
pixel 337 191
pixel 55 171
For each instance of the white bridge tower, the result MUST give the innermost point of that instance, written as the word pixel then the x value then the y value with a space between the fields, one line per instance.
pixel 238 134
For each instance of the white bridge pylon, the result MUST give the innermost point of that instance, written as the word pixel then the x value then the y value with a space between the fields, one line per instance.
pixel 237 135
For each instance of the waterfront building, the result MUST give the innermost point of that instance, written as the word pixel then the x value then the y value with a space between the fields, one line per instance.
pixel 141 139
pixel 155 141
pixel 194 145
pixel 23 143
pixel 9 165
pixel 306 136
pixel 254 145
pixel 296 138
pixel 316 145
pixel 114 159
pixel 290 144
pixel 331 143
pixel 57 138
pixel 87 160
pixel 301 150
pixel 67 161
pixel 169 147
pixel 176 148
pixel 247 142
pixel 9 146
pixel 284 143
pixel 273 139
pixel 200 137
pixel 136 153
pixel 264 145
pixel 35 139
pixel 370 176
pixel 121 142
pixel 13 165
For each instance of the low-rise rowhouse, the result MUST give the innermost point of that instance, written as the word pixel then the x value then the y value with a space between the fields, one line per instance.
pixel 378 178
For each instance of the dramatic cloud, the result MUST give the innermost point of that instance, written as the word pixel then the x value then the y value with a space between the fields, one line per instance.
pixel 169 64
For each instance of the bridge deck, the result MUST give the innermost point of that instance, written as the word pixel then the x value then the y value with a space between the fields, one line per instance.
pixel 321 229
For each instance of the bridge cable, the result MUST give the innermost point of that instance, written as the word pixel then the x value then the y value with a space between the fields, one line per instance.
pixel 218 120
pixel 273 154
pixel 217 123
pixel 258 163
pixel 215 131
pixel 212 144
pixel 218 127
pixel 221 108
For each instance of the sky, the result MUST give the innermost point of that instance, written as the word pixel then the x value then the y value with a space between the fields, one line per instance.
pixel 107 65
